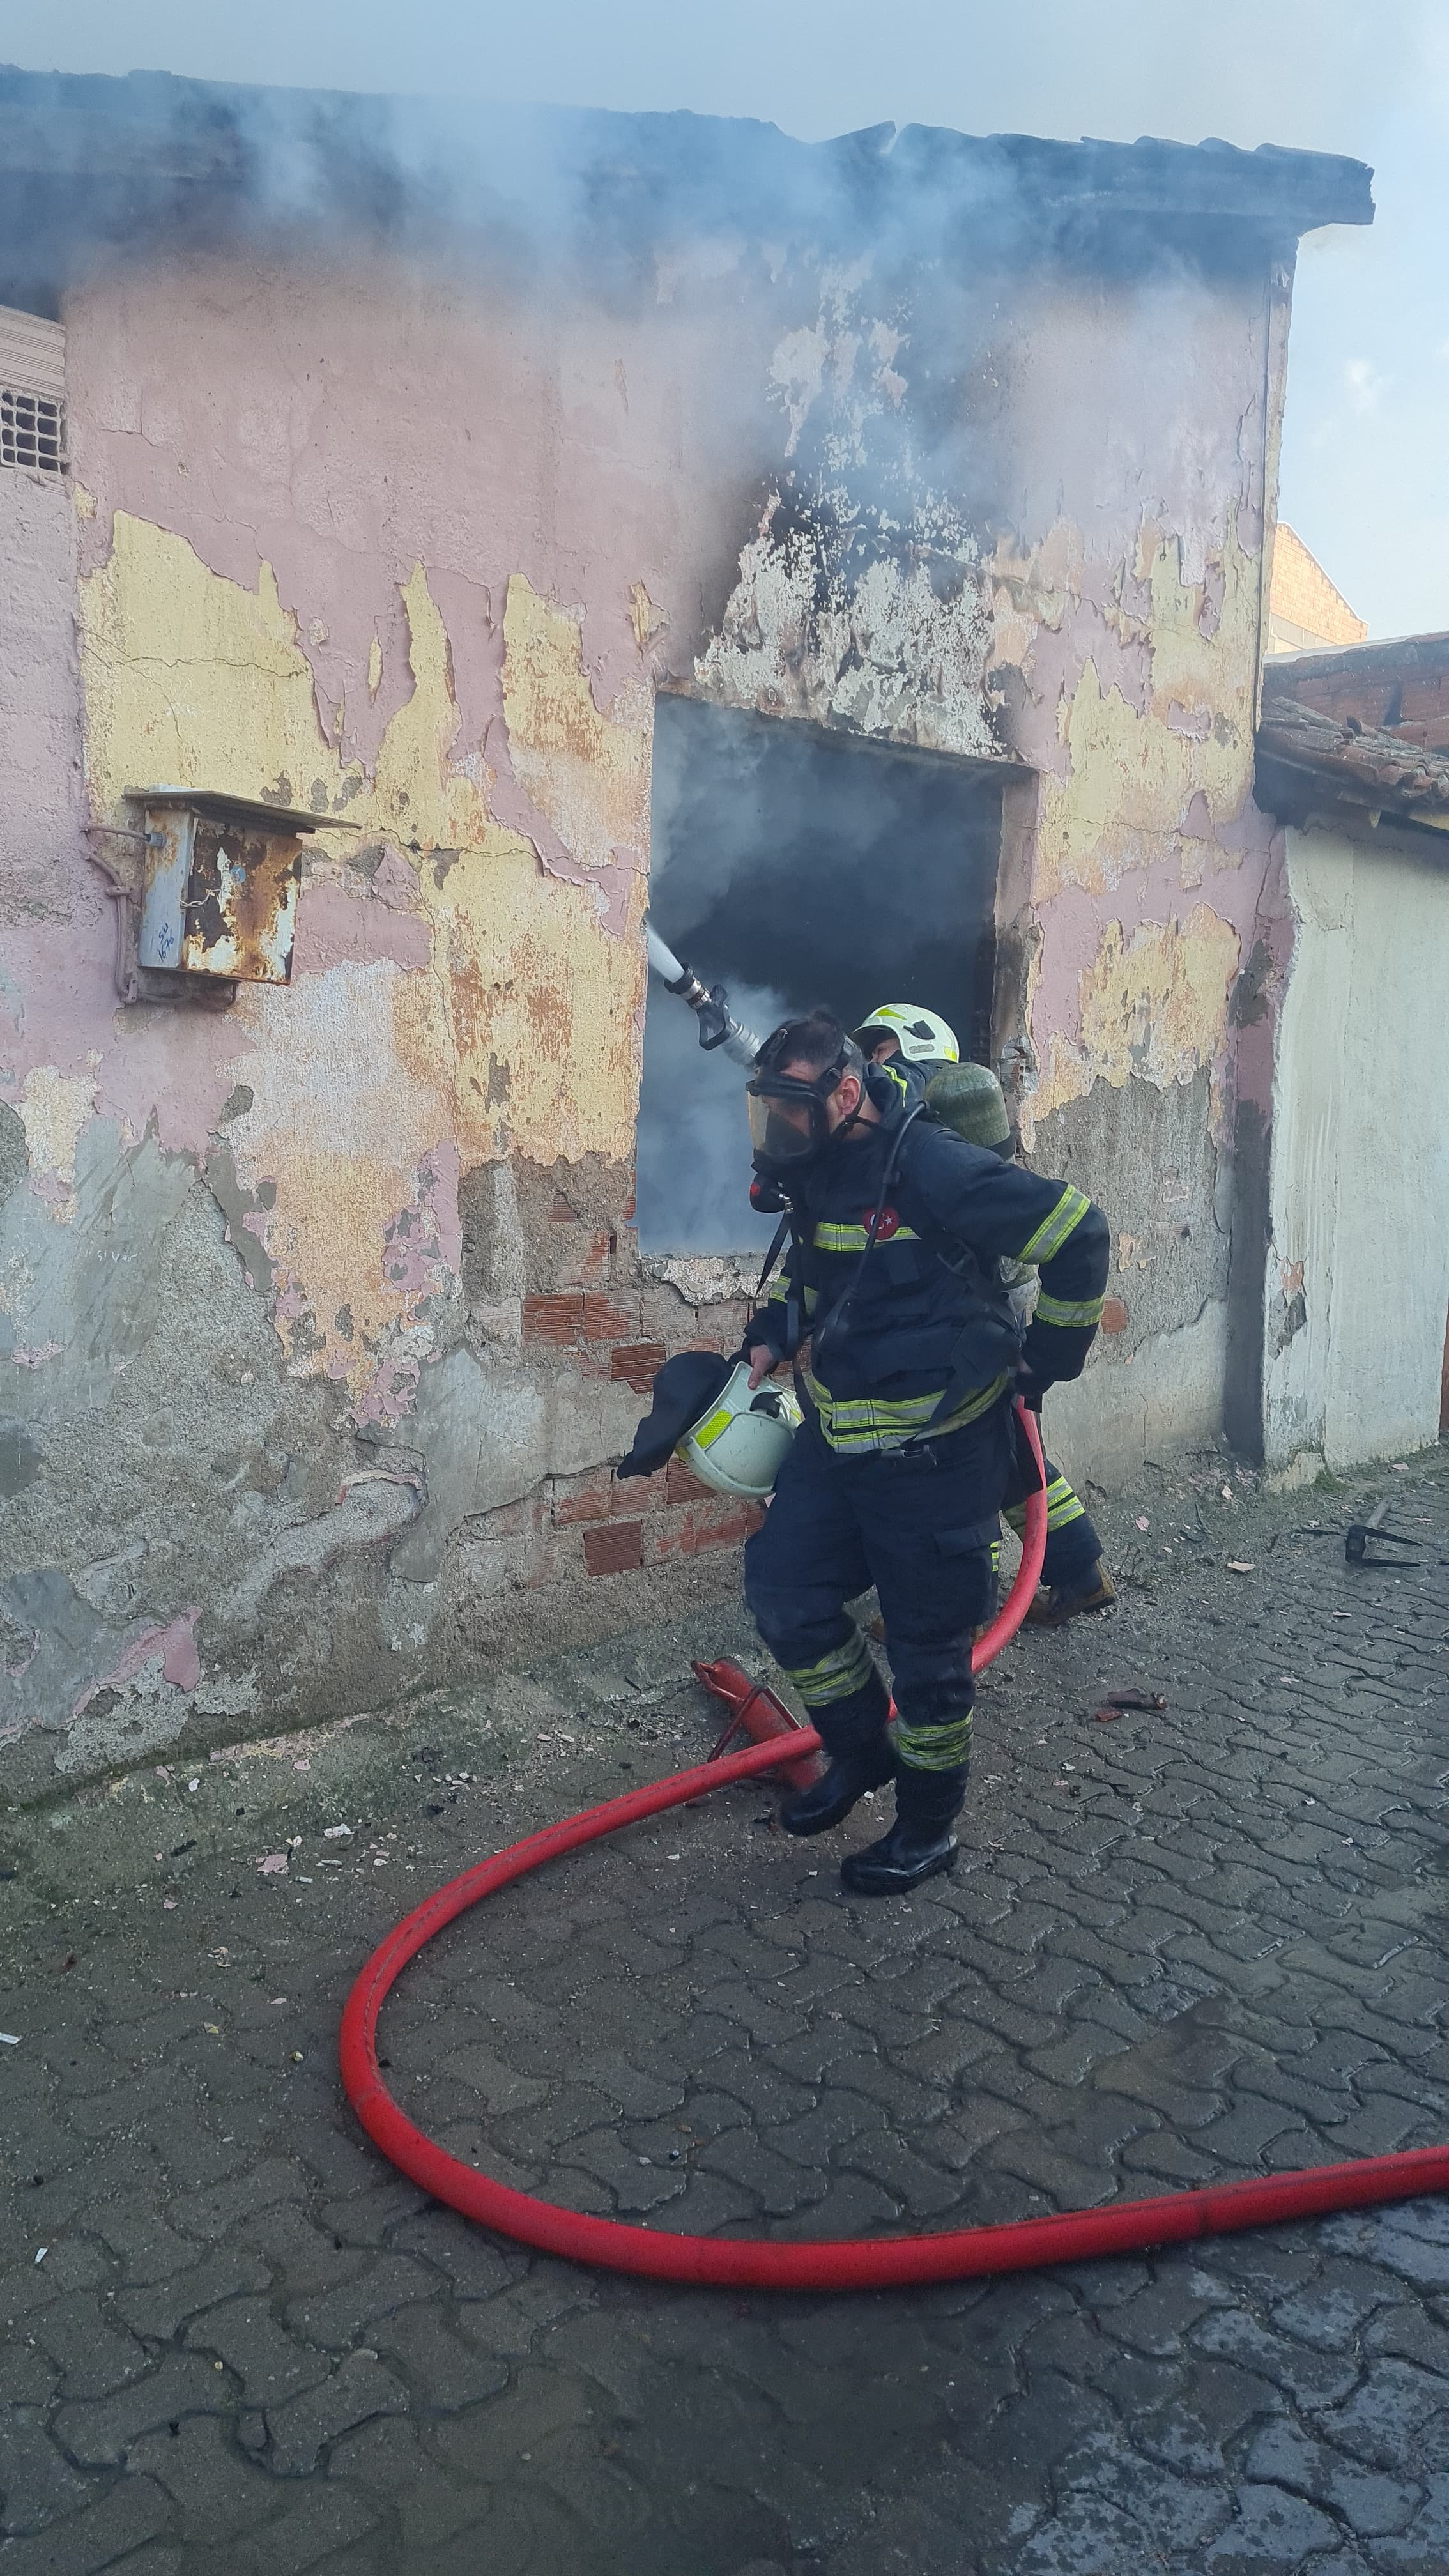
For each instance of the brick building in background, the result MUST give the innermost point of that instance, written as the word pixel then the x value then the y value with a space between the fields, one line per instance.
pixel 1304 609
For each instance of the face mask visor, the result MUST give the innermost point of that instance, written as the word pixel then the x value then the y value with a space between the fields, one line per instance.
pixel 788 1122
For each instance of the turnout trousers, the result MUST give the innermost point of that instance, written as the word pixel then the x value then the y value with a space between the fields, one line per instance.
pixel 1072 1546
pixel 919 1525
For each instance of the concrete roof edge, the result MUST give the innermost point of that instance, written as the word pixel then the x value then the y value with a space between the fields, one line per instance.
pixel 1281 189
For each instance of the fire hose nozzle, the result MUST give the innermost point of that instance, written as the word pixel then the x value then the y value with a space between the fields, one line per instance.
pixel 709 1003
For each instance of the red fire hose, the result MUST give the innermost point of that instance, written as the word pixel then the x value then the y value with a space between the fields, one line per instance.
pixel 870 2263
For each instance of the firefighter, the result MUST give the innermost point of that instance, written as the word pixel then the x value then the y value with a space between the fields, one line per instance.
pixel 918 1047
pixel 908 1449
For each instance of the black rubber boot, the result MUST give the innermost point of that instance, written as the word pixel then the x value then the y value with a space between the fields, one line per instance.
pixel 920 1843
pixel 861 1757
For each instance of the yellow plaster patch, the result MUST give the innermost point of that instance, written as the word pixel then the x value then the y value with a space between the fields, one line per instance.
pixel 190 680
pixel 1034 590
pixel 54 1108
pixel 541 1013
pixel 587 772
pixel 340 1122
pixel 523 1037
pixel 1132 775
pixel 644 617
pixel 1154 1005
pixel 416 789
pixel 194 681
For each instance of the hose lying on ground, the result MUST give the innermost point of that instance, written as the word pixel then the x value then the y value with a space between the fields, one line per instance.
pixel 870 2263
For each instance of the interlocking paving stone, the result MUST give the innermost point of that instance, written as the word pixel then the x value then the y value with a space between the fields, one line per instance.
pixel 1222 1955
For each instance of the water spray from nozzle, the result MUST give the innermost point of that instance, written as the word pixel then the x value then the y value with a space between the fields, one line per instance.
pixel 709 1003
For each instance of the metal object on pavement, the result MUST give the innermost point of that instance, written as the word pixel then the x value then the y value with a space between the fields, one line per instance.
pixel 1361 1535
pixel 755 1711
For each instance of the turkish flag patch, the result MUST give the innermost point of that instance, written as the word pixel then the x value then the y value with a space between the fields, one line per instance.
pixel 889 1223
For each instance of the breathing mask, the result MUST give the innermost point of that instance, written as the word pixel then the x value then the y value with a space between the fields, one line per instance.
pixel 789 1121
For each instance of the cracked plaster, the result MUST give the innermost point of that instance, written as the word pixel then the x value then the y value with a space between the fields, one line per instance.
pixel 445 629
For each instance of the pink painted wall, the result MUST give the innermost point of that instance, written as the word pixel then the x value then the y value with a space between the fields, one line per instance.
pixel 346 424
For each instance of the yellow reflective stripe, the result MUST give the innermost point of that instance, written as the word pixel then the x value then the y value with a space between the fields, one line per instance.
pixel 1059 1310
pixel 838 1675
pixel 852 1238
pixel 1053 1231
pixel 871 1422
pixel 934 1748
pixel 708 1432
pixel 1063 1507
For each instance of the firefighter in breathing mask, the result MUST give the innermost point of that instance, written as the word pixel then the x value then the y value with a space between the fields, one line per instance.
pixel 918 1047
pixel 909 1444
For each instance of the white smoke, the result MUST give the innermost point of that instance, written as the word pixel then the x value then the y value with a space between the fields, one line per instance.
pixel 694 1139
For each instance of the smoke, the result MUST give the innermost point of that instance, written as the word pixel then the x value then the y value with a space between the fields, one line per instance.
pixel 795 867
pixel 1371 82
pixel 694 1141
pixel 159 158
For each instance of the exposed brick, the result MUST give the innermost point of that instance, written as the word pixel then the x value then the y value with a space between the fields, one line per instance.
pixel 561 1213
pixel 684 1486
pixel 637 1363
pixel 614 1548
pixel 1114 1315
pixel 600 1497
pixel 607 1319
pixel 702 1526
pixel 556 1320
pixel 581 1258
pixel 589 1499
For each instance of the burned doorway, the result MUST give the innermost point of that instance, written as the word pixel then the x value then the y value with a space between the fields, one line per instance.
pixel 796 866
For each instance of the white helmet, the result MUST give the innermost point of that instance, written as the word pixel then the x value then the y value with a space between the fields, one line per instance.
pixel 922 1036
pixel 739 1444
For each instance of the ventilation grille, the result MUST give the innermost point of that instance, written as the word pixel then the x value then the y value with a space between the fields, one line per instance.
pixel 32 392
pixel 32 431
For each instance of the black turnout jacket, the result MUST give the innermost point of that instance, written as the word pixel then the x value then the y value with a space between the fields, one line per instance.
pixel 923 1316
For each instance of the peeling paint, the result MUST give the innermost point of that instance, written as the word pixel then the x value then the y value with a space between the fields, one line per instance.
pixel 1154 1004
pixel 398 1030
pixel 55 1109
pixel 367 1209
pixel 370 1509
pixel 587 773
pixel 881 652
pixel 1134 771
pixel 172 1647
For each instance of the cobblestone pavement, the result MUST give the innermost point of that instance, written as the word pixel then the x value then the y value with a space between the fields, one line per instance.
pixel 1181 1946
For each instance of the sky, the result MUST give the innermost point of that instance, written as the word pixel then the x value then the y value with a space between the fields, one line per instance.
pixel 1365 472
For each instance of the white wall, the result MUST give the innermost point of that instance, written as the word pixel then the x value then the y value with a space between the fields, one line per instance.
pixel 1360 1158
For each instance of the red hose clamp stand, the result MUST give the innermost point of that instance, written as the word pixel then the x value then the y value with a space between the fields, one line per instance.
pixel 756 1711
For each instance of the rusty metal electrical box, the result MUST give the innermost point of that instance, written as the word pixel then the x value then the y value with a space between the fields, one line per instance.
pixel 219 885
